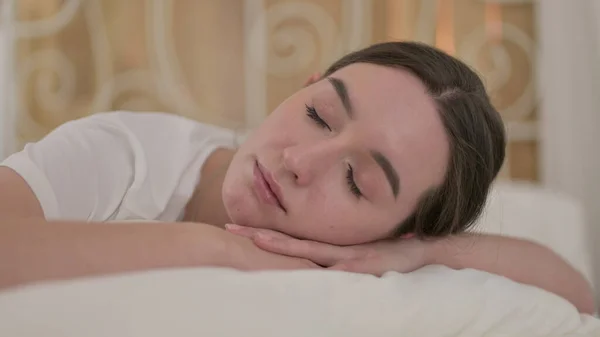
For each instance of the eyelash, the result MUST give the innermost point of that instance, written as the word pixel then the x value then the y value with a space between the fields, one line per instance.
pixel 312 113
pixel 351 183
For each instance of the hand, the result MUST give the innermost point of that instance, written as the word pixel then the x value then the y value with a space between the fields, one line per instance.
pixel 402 255
pixel 243 254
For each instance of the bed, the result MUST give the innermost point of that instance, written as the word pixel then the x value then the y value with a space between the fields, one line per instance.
pixel 433 301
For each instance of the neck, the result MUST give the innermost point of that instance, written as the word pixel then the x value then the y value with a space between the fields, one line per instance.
pixel 206 204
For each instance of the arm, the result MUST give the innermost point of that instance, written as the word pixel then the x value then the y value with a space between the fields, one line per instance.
pixel 80 172
pixel 519 260
pixel 32 249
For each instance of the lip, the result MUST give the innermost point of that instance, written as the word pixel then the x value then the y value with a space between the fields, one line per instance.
pixel 267 188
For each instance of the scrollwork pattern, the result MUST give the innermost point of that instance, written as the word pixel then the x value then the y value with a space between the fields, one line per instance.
pixel 292 46
pixel 475 42
pixel 281 40
pixel 48 26
pixel 52 78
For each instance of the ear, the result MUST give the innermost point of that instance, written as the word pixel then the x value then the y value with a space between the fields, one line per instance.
pixel 312 79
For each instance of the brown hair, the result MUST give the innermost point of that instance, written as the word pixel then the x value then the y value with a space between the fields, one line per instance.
pixel 474 128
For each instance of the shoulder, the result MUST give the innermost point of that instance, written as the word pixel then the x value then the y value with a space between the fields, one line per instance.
pixel 154 127
pixel 117 163
pixel 134 120
pixel 167 152
pixel 148 119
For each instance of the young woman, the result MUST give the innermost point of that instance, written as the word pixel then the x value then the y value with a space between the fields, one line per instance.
pixel 395 145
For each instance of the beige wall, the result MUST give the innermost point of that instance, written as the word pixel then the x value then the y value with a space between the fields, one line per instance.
pixel 230 62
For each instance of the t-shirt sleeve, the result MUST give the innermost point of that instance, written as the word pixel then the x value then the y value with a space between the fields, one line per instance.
pixel 79 171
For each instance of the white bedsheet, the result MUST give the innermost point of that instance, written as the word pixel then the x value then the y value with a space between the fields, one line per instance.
pixel 433 301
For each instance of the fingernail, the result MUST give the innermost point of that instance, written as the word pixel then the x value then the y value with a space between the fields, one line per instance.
pixel 264 237
pixel 231 226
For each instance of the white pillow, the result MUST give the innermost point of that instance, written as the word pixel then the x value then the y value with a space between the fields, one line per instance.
pixel 532 212
pixel 433 301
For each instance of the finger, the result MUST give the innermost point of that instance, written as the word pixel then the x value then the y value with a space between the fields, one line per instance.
pixel 240 230
pixel 378 265
pixel 320 253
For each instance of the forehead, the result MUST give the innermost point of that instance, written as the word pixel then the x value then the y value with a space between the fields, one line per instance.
pixel 396 115
pixel 391 90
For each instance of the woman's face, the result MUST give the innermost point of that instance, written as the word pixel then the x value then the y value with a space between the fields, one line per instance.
pixel 343 161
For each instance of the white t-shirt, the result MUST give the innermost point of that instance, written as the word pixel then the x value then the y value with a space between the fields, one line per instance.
pixel 119 166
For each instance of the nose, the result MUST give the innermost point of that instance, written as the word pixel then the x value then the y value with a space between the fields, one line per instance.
pixel 307 161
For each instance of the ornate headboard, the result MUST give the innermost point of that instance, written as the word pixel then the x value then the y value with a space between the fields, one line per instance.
pixel 231 62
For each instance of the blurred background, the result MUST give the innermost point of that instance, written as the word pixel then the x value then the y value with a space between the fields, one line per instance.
pixel 231 62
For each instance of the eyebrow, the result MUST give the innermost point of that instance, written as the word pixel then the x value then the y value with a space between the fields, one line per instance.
pixel 380 159
pixel 388 169
pixel 342 92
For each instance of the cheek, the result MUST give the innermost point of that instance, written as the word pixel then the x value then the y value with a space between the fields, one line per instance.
pixel 336 217
pixel 278 130
pixel 347 229
pixel 287 120
pixel 234 192
pixel 355 228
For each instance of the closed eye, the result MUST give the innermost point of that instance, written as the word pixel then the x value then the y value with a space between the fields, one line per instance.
pixel 351 183
pixel 314 115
